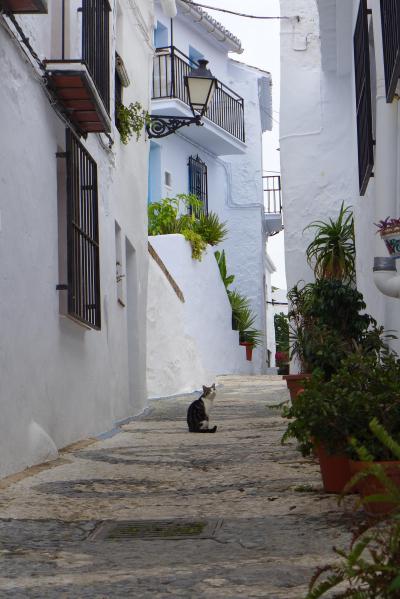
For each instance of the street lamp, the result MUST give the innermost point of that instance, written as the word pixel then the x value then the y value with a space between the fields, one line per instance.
pixel 200 87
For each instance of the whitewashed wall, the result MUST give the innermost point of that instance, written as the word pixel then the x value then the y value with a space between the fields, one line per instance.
pixel 319 140
pixel 234 182
pixel 60 382
pixel 189 343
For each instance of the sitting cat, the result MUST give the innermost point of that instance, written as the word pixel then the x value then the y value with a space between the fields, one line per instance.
pixel 199 410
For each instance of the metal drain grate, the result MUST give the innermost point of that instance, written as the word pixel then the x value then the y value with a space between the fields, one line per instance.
pixel 111 530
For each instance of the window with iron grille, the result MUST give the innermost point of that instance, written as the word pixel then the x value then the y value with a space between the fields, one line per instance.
pixel 390 13
pixel 96 44
pixel 198 180
pixel 82 235
pixel 363 98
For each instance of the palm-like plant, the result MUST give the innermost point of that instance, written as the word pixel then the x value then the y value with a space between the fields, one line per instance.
pixel 211 229
pixel 332 252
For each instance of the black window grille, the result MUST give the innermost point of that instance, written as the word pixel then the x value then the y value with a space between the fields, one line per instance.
pixel 96 44
pixel 118 93
pixel 198 181
pixel 363 98
pixel 82 235
pixel 390 12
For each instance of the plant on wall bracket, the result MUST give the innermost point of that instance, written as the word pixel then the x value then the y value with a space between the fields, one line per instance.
pixel 131 120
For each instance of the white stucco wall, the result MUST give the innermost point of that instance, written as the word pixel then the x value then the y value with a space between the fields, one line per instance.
pixel 189 343
pixel 234 182
pixel 319 140
pixel 60 382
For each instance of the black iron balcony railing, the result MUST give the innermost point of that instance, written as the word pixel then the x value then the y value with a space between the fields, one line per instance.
pixel 272 194
pixel 390 11
pixel 170 68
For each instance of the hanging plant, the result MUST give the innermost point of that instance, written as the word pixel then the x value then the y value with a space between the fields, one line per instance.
pixel 389 230
pixel 131 120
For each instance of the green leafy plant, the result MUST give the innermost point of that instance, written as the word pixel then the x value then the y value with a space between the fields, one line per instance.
pixel 281 324
pixel 178 215
pixel 131 120
pixel 252 336
pixel 221 261
pixel 326 324
pixel 210 228
pixel 331 254
pixel 366 386
pixel 198 244
pixel 370 569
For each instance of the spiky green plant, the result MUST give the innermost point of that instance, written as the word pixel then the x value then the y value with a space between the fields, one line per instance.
pixel 370 569
pixel 221 261
pixel 331 254
pixel 211 229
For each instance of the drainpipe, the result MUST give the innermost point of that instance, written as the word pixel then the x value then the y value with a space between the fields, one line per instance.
pixel 386 277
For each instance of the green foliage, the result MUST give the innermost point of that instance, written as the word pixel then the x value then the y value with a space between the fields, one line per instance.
pixel 198 244
pixel 327 323
pixel 281 323
pixel 178 215
pixel 366 386
pixel 221 261
pixel 332 252
pixel 244 318
pixel 131 120
pixel 370 569
pixel 210 228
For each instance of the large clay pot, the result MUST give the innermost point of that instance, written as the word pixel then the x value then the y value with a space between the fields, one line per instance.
pixel 373 486
pixel 335 470
pixel 295 383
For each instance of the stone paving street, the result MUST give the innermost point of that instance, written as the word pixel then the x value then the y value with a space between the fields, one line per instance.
pixel 268 524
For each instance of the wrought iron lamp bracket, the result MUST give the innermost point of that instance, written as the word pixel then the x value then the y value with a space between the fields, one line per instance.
pixel 160 126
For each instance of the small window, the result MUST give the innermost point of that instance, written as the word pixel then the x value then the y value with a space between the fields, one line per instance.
pixel 82 235
pixel 168 179
pixel 198 185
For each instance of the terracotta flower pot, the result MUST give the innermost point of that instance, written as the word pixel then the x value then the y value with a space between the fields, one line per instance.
pixel 373 486
pixel 249 349
pixel 295 383
pixel 335 470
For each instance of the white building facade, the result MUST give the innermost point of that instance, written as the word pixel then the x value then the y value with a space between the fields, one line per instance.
pixel 221 161
pixel 340 133
pixel 73 238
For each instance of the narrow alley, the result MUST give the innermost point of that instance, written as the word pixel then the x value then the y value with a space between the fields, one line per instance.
pixel 153 512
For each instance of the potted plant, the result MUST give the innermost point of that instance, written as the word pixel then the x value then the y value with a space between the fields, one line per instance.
pixel 370 568
pixel 282 362
pixel 313 307
pixel 250 338
pixel 328 414
pixel 389 230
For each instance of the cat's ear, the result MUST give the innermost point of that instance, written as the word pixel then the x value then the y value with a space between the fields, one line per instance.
pixel 205 389
pixel 213 386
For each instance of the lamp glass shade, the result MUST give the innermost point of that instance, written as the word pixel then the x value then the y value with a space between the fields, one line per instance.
pixel 200 85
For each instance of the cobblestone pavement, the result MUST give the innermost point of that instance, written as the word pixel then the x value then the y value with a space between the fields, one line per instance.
pixel 267 524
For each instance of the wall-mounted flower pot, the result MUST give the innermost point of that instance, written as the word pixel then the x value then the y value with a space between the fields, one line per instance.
pixel 295 383
pixel 249 349
pixel 391 237
pixel 372 486
pixel 335 470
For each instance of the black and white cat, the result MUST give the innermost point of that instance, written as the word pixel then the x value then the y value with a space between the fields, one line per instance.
pixel 199 411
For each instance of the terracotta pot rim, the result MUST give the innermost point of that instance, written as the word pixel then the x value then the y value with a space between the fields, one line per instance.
pixel 297 377
pixel 390 231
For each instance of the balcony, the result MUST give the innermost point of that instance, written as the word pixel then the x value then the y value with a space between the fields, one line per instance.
pixel 273 204
pixel 82 85
pixel 24 6
pixel 223 128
